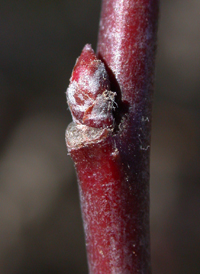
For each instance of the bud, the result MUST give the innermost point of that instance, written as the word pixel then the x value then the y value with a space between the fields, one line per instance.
pixel 89 97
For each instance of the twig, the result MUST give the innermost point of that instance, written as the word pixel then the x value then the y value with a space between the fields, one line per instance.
pixel 110 99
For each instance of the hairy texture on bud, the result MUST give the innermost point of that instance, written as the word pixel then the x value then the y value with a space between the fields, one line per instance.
pixel 89 97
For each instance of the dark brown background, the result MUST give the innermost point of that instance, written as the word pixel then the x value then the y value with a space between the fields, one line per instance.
pixel 40 222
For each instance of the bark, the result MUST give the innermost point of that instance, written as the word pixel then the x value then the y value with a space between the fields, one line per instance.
pixel 112 158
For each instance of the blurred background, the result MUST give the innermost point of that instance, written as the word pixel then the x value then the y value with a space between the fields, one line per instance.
pixel 40 222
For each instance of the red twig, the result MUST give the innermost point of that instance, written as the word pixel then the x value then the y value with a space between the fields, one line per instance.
pixel 109 140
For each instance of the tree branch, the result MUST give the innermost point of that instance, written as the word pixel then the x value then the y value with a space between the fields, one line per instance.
pixel 109 141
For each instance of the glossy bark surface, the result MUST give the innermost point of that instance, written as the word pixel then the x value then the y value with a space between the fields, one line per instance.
pixel 113 163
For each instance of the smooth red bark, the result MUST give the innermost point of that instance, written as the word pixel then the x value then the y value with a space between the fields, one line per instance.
pixel 112 163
